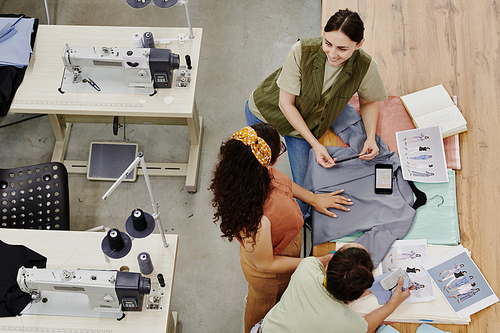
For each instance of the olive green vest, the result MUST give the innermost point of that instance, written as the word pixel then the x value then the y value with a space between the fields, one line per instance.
pixel 312 63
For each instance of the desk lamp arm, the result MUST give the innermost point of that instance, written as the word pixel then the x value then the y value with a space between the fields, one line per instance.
pixel 156 214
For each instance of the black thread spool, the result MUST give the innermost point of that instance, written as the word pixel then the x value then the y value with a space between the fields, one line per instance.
pixel 116 244
pixel 161 280
pixel 139 220
pixel 115 238
pixel 148 40
pixel 140 224
pixel 145 263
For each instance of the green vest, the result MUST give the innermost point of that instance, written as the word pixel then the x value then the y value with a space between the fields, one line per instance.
pixel 312 63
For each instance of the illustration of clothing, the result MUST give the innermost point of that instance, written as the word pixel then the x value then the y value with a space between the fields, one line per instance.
pixel 454 277
pixel 421 157
pixel 419 166
pixel 454 269
pixel 465 289
pixel 469 294
pixel 421 174
pixel 417 138
pixel 417 286
pixel 416 149
pixel 411 255
pixel 461 282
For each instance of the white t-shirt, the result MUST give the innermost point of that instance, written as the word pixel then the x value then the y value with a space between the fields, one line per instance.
pixel 306 306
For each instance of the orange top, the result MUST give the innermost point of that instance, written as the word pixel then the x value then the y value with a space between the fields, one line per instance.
pixel 282 211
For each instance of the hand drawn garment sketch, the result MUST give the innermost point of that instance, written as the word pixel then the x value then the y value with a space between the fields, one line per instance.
pixel 421 174
pixel 416 149
pixel 382 217
pixel 463 297
pixel 420 157
pixel 417 138
pixel 461 282
pixel 419 166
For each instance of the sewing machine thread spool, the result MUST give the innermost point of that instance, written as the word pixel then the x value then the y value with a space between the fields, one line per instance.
pixel 145 263
pixel 139 220
pixel 115 240
pixel 116 244
pixel 148 40
pixel 137 40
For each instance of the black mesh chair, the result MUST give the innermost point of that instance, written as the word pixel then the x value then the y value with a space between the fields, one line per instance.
pixel 35 197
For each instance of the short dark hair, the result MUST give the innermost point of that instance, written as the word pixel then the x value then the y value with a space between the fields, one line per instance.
pixel 347 22
pixel 349 274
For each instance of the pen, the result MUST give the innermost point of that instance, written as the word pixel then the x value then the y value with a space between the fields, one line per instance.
pixel 346 159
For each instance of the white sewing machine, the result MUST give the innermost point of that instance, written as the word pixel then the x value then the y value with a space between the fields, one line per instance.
pixel 82 293
pixel 117 69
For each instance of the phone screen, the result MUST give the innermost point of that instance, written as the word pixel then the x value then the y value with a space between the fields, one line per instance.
pixel 383 178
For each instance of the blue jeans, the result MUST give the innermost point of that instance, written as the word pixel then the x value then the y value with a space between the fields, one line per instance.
pixel 298 152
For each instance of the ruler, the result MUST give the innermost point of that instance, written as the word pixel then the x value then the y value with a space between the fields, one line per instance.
pixel 80 103
pixel 16 328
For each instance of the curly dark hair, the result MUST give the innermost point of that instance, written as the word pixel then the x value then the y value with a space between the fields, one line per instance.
pixel 241 185
pixel 349 274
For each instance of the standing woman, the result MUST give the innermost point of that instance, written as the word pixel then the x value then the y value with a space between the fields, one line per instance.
pixel 255 204
pixel 319 77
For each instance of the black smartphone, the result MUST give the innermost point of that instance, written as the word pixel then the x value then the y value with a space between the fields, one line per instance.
pixel 383 178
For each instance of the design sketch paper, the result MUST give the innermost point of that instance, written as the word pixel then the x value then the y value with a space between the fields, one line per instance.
pixel 421 152
pixel 410 255
pixel 461 282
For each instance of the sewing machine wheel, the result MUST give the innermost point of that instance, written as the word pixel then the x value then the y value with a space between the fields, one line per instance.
pixel 116 125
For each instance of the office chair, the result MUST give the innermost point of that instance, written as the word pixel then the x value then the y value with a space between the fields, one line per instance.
pixel 35 197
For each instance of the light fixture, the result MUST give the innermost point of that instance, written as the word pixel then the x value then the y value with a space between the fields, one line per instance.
pixel 138 4
pixel 141 224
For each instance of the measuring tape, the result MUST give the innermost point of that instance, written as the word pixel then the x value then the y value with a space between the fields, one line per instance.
pixel 80 103
pixel 7 328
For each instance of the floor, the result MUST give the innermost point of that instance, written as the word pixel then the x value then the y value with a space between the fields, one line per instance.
pixel 243 42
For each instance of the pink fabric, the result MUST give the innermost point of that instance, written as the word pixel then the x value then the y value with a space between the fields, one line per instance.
pixel 393 118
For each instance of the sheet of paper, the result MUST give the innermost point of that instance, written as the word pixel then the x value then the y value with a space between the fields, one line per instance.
pixel 421 152
pixel 409 255
pixel 427 100
pixel 460 281
pixel 448 118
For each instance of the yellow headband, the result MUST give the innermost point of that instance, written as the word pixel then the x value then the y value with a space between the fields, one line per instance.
pixel 259 147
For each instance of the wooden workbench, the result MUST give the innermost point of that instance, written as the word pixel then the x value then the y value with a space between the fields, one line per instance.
pixel 419 44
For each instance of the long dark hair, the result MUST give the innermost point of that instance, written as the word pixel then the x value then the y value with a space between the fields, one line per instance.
pixel 347 22
pixel 349 274
pixel 241 185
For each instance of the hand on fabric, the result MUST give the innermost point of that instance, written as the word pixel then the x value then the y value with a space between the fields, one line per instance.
pixel 322 157
pixel 325 259
pixel 398 296
pixel 370 150
pixel 331 200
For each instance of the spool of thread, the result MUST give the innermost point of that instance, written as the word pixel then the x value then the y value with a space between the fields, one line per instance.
pixel 137 39
pixel 148 40
pixel 161 280
pixel 115 240
pixel 145 263
pixel 139 220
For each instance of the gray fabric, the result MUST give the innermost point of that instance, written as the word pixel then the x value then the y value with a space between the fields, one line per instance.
pixel 382 217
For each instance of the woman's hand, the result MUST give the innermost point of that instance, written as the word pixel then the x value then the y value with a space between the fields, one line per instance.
pixel 399 295
pixel 370 150
pixel 322 157
pixel 331 200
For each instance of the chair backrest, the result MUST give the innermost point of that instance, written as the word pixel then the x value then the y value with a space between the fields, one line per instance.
pixel 35 197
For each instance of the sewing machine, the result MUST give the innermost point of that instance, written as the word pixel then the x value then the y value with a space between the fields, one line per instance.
pixel 117 69
pixel 82 293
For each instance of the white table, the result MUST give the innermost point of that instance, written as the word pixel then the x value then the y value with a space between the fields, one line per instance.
pixel 39 93
pixel 77 249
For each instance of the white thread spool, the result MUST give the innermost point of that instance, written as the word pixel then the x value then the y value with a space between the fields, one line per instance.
pixel 145 263
pixel 137 39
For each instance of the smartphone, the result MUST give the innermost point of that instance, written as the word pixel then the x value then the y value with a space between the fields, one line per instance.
pixel 383 178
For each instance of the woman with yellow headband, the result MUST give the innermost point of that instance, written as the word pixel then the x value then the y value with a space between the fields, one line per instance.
pixel 255 204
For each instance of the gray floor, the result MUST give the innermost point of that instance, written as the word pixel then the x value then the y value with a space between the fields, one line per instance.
pixel 243 42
